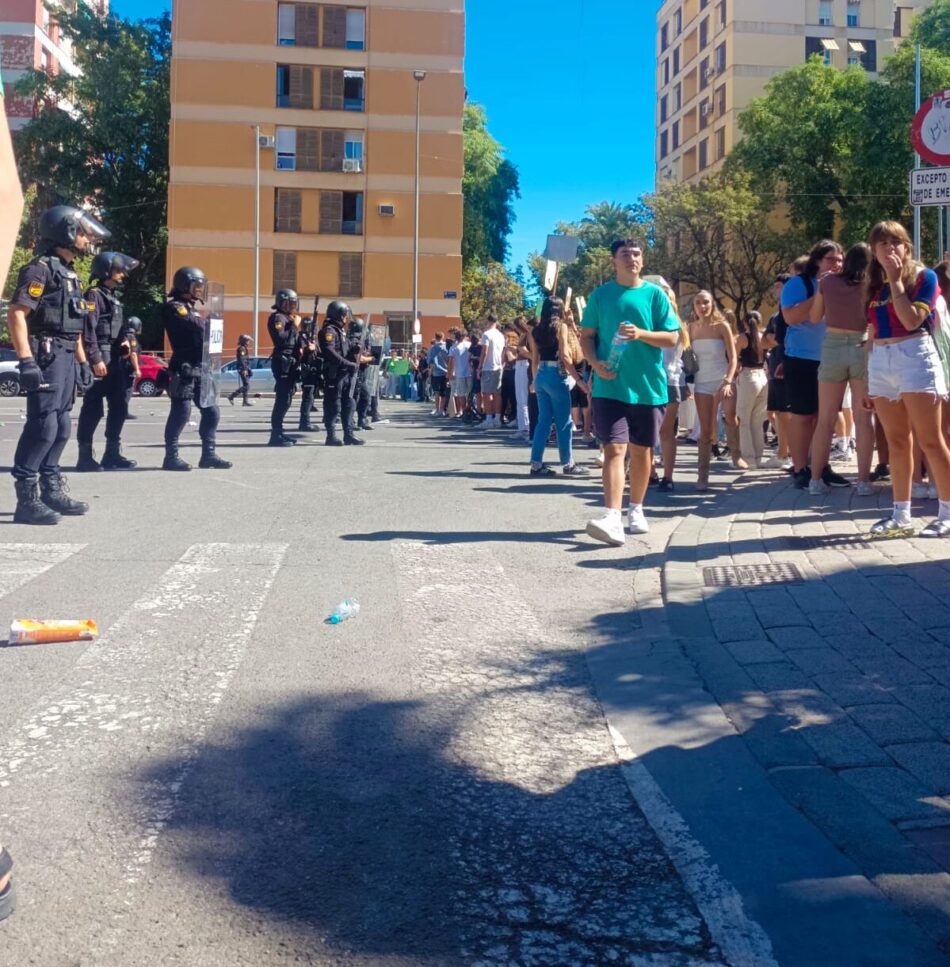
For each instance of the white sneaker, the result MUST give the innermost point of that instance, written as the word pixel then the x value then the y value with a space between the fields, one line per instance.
pixel 773 463
pixel 816 488
pixel 864 488
pixel 787 464
pixel 599 459
pixel 932 492
pixel 435 413
pixel 608 529
pixel 636 521
pixel 838 452
pixel 918 491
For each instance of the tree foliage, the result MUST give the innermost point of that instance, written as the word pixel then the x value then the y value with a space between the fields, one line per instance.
pixel 489 188
pixel 490 288
pixel 101 139
pixel 931 27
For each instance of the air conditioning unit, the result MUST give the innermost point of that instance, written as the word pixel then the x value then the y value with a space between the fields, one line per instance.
pixel 387 211
pixel 266 141
pixel 352 165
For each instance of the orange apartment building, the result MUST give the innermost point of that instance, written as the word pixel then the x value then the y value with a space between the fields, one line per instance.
pixel 334 92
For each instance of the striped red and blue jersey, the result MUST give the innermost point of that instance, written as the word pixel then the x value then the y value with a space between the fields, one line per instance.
pixel 883 317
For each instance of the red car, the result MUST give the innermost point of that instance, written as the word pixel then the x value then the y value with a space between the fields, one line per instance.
pixel 147 383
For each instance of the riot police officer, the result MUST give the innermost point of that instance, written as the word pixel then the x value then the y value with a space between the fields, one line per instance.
pixel 311 373
pixel 243 367
pixel 362 394
pixel 46 318
pixel 340 372
pixel 105 350
pixel 190 376
pixel 284 328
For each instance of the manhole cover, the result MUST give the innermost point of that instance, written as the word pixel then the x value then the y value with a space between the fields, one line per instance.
pixel 751 575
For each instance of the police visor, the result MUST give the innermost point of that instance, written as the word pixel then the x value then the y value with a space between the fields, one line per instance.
pixel 92 228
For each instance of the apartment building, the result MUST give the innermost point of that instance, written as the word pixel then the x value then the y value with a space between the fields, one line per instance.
pixel 334 89
pixel 715 56
pixel 30 39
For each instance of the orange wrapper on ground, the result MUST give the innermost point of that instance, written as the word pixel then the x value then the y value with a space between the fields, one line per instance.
pixel 26 631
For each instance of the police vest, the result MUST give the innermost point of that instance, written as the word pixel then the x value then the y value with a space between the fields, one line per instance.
pixel 62 309
pixel 109 322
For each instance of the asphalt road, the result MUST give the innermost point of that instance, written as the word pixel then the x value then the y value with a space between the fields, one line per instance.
pixel 223 779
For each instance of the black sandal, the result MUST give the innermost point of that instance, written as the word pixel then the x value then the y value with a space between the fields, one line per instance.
pixel 8 896
pixel 543 471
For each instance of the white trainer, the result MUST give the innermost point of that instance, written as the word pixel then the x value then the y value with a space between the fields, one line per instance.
pixel 816 488
pixel 608 529
pixel 864 488
pixel 636 521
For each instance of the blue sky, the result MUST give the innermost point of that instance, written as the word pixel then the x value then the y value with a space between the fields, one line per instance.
pixel 569 90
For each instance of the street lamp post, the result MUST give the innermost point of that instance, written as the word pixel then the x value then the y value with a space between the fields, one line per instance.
pixel 419 76
pixel 260 141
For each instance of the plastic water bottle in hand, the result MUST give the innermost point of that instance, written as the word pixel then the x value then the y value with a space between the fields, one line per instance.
pixel 344 610
pixel 617 346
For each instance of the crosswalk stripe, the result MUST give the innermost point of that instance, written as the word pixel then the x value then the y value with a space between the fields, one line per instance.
pixel 20 563
pixel 143 695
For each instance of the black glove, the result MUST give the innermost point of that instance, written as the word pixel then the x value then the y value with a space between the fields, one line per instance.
pixel 86 378
pixel 186 371
pixel 31 376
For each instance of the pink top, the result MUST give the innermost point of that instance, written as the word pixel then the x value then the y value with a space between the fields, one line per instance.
pixel 845 304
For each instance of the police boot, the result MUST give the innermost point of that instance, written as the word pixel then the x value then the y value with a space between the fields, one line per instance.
pixel 279 440
pixel 305 425
pixel 87 462
pixel 210 460
pixel 172 460
pixel 231 398
pixel 55 494
pixel 112 459
pixel 364 424
pixel 350 440
pixel 29 508
pixel 332 439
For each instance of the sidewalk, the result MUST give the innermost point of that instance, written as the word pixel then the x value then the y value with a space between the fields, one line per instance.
pixel 765 617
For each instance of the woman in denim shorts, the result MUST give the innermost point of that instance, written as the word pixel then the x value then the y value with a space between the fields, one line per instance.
pixel 906 382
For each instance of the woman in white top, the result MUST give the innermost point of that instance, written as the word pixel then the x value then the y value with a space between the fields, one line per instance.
pixel 711 339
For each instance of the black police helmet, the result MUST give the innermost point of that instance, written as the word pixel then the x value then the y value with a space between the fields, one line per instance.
pixel 337 311
pixel 190 283
pixel 135 324
pixel 357 328
pixel 244 340
pixel 105 263
pixel 286 300
pixel 61 225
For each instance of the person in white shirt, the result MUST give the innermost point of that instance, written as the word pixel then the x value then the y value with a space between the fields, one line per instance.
pixel 493 347
pixel 460 373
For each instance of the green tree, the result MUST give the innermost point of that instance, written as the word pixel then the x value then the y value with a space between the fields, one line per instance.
pixel 931 27
pixel 715 235
pixel 489 188
pixel 101 139
pixel 490 288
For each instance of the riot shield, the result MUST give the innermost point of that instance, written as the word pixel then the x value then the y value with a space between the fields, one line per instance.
pixel 378 337
pixel 213 345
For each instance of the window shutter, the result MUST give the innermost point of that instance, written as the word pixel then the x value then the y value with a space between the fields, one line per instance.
pixel 331 89
pixel 331 152
pixel 331 212
pixel 288 205
pixel 301 87
pixel 351 274
pixel 334 27
pixel 308 149
pixel 306 24
pixel 285 270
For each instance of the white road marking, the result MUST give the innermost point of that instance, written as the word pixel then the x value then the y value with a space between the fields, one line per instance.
pixel 141 697
pixel 20 563
pixel 742 941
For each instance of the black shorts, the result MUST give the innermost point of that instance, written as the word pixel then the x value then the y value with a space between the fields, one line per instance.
pixel 578 398
pixel 636 423
pixel 438 385
pixel 675 393
pixel 801 385
pixel 778 399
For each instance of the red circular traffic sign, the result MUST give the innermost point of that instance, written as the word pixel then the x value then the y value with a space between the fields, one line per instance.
pixel 930 133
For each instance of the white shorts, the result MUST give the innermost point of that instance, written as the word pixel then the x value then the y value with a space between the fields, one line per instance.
pixel 909 366
pixel 462 385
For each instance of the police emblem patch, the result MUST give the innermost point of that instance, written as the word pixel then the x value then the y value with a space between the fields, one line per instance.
pixel 35 290
pixel 182 311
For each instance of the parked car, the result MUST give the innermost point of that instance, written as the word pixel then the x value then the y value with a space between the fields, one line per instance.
pixel 147 383
pixel 262 379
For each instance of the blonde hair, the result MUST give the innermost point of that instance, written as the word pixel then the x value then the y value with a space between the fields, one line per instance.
pixel 717 318
pixel 661 283
pixel 891 231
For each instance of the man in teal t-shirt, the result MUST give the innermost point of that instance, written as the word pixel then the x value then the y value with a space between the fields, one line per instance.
pixel 630 390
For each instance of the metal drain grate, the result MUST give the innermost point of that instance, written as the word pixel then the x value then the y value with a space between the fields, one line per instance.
pixel 751 575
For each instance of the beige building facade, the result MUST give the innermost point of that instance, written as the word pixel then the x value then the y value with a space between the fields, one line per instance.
pixel 333 89
pixel 715 56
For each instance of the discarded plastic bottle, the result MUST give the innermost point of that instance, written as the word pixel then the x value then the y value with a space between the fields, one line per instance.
pixel 617 346
pixel 344 610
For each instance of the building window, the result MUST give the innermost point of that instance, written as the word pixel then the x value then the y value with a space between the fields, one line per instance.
pixel 664 108
pixel 342 90
pixel 666 70
pixel 721 14
pixel 298 24
pixel 720 61
pixel 317 149
pixel 703 33
pixel 664 37
pixel 676 135
pixel 286 155
pixel 353 151
pixel 287 209
pixel 677 97
pixel 301 25
pixel 868 56
pixel 824 13
pixel 720 144
pixel 351 275
pixel 355 29
pixel 664 144
pixel 721 99
pixel 678 22
pixel 854 13
pixel 341 213
pixel 705 73
pixel 285 270
pixel 705 112
pixel 703 153
pixel 676 61
pixel 294 86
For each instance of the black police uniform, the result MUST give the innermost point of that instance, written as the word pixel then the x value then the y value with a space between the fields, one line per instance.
pixel 311 376
pixel 340 373
pixel 283 364
pixel 244 375
pixel 51 291
pixel 103 336
pixel 185 330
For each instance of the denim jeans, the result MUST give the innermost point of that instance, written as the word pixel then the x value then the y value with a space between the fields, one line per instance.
pixel 554 406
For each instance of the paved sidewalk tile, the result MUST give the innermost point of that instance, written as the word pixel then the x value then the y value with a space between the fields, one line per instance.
pixel 779 676
pixel 787 638
pixel 928 761
pixel 853 690
pixel 752 652
pixel 842 745
pixel 898 795
pixel 890 724
pixel 930 702
pixel 889 668
pixel 817 661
